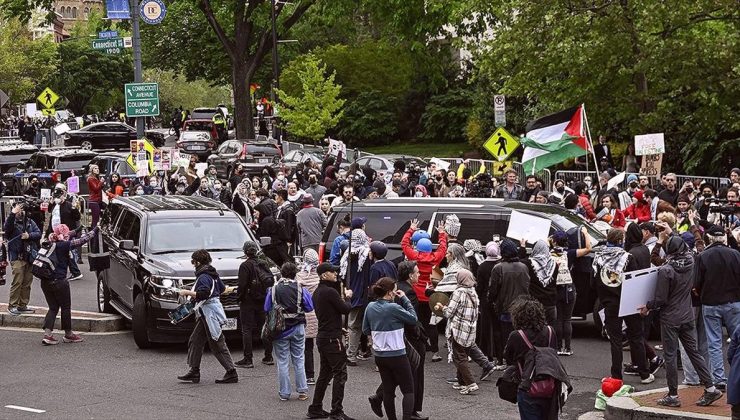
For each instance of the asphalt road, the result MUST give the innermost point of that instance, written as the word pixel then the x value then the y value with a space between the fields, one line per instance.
pixel 107 376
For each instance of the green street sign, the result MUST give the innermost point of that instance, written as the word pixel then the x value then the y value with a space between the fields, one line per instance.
pixel 142 99
pixel 111 45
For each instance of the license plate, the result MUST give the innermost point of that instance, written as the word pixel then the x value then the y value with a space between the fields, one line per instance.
pixel 196 147
pixel 229 325
pixel 263 160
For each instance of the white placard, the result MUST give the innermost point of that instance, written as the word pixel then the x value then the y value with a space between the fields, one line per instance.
pixel 441 164
pixel 201 168
pixel 61 129
pixel 615 181
pixel 45 193
pixel 638 288
pixel 336 146
pixel 31 110
pixel 649 144
pixel 531 228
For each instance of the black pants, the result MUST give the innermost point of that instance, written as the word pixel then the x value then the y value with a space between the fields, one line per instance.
pixel 506 329
pixel 418 370
pixel 613 324
pixel 252 316
pixel 308 358
pixel 484 338
pixel 396 372
pixel 332 367
pixel 278 254
pixel 57 297
pixel 425 314
pixel 197 342
pixel 564 325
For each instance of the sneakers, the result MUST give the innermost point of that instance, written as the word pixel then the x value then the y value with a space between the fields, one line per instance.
pixel 565 352
pixel 656 364
pixel 650 379
pixel 451 380
pixel 302 396
pixel 376 404
pixel 671 401
pixel 469 389
pixel 436 357
pixel 25 310
pixel 721 386
pixel 311 381
pixel 351 362
pixel 268 361
pixel 487 371
pixel 364 355
pixel 244 363
pixel 631 370
pixel 457 386
pixel 282 398
pixel 500 367
pixel 709 397
pixel 13 310
pixel 73 278
pixel 323 414
pixel 49 340
pixel 72 338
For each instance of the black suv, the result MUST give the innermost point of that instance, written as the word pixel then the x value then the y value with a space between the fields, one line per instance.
pixel 252 155
pixel 150 240
pixel 51 165
pixel 13 153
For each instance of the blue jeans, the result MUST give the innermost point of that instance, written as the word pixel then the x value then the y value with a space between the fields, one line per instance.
pixel 714 317
pixel 73 268
pixel 287 349
pixel 532 408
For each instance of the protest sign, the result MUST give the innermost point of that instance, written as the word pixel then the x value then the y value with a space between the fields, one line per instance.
pixel 61 129
pixel 73 185
pixel 531 228
pixel 184 160
pixel 651 165
pixel 336 146
pixel 564 276
pixel 649 144
pixel 46 193
pixel 615 181
pixel 201 168
pixel 134 146
pixel 441 164
pixel 157 159
pixel 638 288
pixel 166 159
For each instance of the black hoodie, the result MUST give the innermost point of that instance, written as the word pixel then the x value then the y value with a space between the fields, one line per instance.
pixel 675 280
pixel 206 276
pixel 633 244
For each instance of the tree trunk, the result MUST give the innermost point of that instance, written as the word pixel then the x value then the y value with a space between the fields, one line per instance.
pixel 240 79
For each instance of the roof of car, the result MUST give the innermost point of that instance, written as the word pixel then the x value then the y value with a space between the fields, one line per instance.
pixel 67 151
pixel 416 202
pixel 119 155
pixel 198 120
pixel 159 203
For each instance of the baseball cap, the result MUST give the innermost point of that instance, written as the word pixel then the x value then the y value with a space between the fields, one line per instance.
pixel 358 222
pixel 326 267
pixel 715 230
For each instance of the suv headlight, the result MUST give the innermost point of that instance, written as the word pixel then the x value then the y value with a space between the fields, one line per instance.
pixel 164 287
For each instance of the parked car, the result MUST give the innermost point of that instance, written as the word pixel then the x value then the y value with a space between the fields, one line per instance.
pixel 14 153
pixel 50 166
pixel 380 164
pixel 201 125
pixel 389 219
pixel 150 240
pixel 294 157
pixel 107 135
pixel 198 143
pixel 252 155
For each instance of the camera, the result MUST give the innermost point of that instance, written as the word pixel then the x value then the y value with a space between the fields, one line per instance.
pixel 727 210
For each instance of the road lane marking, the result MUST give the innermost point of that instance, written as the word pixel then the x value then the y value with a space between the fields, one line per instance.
pixel 29 409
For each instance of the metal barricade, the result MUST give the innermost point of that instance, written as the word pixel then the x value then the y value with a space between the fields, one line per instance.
pixel 543 175
pixel 717 183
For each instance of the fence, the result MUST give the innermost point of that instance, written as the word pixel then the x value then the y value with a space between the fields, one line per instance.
pixel 495 168
pixel 579 176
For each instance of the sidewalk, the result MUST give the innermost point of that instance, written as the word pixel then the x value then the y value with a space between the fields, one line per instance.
pixel 642 405
pixel 81 321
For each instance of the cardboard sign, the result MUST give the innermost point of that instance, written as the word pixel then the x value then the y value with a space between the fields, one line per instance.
pixel 336 146
pixel 638 288
pixel 200 168
pixel 649 144
pixel 73 185
pixel 564 276
pixel 530 228
pixel 651 165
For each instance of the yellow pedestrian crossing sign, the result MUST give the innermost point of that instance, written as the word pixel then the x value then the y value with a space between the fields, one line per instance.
pixel 501 144
pixel 48 112
pixel 48 98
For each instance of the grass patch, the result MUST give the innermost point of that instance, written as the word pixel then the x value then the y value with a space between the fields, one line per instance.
pixel 422 149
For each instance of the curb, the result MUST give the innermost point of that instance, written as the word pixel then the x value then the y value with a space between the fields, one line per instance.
pixel 81 321
pixel 625 408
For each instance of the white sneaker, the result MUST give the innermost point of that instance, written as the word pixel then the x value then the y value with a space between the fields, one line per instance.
pixel 650 379
pixel 469 389
pixel 77 277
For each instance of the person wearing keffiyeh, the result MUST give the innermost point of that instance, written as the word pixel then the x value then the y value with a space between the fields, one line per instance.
pixel 309 279
pixel 355 270
pixel 542 278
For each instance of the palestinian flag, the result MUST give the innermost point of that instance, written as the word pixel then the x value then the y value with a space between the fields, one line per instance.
pixel 554 138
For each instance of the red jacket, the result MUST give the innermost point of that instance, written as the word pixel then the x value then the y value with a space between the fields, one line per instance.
pixel 95 186
pixel 641 212
pixel 424 260
pixel 586 204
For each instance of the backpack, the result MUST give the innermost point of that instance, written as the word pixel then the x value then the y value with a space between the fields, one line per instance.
pixel 275 319
pixel 538 386
pixel 265 279
pixel 46 261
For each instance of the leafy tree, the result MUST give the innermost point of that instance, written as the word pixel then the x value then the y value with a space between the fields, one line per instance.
pixel 370 119
pixel 25 64
pixel 318 108
pixel 176 91
pixel 445 117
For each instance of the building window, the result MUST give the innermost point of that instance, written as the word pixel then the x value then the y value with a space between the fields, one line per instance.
pixel 87 12
pixel 74 13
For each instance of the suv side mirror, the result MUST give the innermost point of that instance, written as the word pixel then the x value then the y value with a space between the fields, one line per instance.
pixel 128 245
pixel 265 240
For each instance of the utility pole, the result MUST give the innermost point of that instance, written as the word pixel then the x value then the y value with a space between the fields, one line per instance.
pixel 134 7
pixel 275 75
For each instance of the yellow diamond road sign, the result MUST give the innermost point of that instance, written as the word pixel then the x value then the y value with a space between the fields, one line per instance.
pixel 501 144
pixel 48 98
pixel 48 112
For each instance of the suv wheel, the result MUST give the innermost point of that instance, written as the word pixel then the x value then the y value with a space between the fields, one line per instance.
pixel 138 323
pixel 104 305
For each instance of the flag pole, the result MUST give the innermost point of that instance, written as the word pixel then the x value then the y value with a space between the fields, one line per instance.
pixel 590 142
pixel 534 165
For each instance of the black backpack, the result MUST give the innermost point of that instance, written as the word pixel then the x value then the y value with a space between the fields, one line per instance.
pixel 46 261
pixel 265 279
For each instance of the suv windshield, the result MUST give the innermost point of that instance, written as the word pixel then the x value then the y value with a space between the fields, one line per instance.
pixel 187 235
pixel 73 162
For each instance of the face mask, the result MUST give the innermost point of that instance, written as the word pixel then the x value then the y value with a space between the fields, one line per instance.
pixel 418 194
pixel 438 178
pixel 707 195
pixel 633 184
pixel 280 177
pixel 561 189
pixel 152 183
pixel 57 200
pixel 180 188
pixel 139 192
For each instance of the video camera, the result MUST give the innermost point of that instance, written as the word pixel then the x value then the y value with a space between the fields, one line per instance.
pixel 727 209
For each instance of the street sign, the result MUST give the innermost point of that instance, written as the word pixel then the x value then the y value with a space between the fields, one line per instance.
pixel 112 45
pixel 4 98
pixel 142 99
pixel 501 144
pixel 141 145
pixel 153 11
pixel 48 112
pixel 47 98
pixel 499 110
pixel 108 34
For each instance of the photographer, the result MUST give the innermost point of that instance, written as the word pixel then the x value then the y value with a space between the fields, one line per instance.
pixel 23 234
pixel 65 211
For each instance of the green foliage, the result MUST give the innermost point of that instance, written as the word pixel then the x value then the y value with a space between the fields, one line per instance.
pixel 318 108
pixel 639 66
pixel 422 149
pixel 24 64
pixel 445 117
pixel 370 119
pixel 176 91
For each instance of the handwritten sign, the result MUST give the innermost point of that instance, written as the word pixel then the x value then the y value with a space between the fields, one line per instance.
pixel 563 270
pixel 651 165
pixel 649 144
pixel 73 185
pixel 336 146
